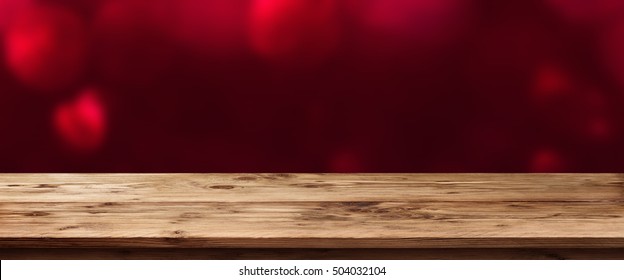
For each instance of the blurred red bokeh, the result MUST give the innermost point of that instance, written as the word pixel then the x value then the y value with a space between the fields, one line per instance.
pixel 311 85
pixel 216 27
pixel 422 20
pixel 81 123
pixel 294 33
pixel 46 46
pixel 588 12
pixel 547 160
pixel 612 47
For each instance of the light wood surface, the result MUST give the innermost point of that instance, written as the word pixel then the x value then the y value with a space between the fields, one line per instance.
pixel 317 254
pixel 313 211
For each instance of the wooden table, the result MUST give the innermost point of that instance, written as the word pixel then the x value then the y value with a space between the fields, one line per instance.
pixel 311 216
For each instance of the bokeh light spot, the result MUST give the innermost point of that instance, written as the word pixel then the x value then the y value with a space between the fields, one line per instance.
pixel 81 123
pixel 550 83
pixel 345 161
pixel 547 160
pixel 46 47
pixel 294 33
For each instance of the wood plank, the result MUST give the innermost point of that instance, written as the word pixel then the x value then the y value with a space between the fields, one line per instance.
pixel 309 187
pixel 313 211
pixel 278 224
pixel 306 254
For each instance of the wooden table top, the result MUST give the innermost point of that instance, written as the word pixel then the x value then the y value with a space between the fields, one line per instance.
pixel 312 211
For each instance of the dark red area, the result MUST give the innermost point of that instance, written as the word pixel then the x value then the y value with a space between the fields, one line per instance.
pixel 311 86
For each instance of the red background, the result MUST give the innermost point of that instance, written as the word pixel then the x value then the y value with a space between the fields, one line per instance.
pixel 311 86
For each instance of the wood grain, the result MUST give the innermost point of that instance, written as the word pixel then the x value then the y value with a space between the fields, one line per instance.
pixel 312 211
pixel 304 254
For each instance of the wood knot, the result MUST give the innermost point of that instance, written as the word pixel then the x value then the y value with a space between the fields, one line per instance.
pixel 360 204
pixel 109 204
pixel 246 178
pixel 190 215
pixel 312 185
pixel 222 187
pixel 46 186
pixel 37 214
pixel 68 227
